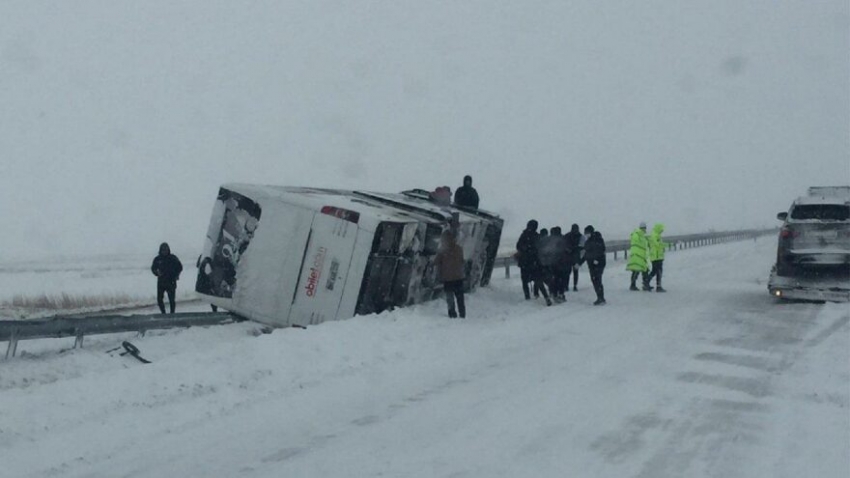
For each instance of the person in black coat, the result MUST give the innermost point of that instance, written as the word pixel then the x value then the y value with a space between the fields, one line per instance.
pixel 594 255
pixel 542 235
pixel 529 261
pixel 167 268
pixel 560 264
pixel 574 246
pixel 466 195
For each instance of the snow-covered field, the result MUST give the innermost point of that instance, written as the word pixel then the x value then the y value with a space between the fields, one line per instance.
pixel 713 378
pixel 125 279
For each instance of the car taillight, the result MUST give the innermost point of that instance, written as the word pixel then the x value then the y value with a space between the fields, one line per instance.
pixel 786 233
pixel 344 214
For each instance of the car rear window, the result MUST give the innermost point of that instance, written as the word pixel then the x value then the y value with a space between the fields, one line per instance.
pixel 823 212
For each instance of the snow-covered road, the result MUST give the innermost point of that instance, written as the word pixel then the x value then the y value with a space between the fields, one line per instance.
pixel 713 378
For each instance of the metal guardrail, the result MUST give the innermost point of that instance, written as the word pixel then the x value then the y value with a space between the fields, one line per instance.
pixel 686 241
pixel 15 330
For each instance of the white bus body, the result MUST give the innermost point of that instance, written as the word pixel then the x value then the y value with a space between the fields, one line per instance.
pixel 288 256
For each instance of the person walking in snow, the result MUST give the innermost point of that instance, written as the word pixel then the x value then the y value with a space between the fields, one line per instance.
pixel 574 245
pixel 588 230
pixel 594 255
pixel 167 268
pixel 466 195
pixel 639 257
pixel 543 255
pixel 560 265
pixel 450 271
pixel 656 256
pixel 529 261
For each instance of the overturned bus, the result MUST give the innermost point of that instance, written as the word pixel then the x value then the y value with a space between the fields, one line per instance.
pixel 288 256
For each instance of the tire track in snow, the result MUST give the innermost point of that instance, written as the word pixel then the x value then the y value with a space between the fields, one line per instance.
pixel 734 382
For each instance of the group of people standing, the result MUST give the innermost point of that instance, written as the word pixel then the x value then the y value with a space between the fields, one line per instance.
pixel 547 259
pixel 646 250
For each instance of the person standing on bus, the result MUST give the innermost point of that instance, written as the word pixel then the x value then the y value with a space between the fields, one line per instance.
pixel 450 271
pixel 167 268
pixel 466 195
pixel 442 195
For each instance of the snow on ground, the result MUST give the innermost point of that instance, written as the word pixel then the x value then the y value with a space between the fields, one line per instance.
pixel 713 378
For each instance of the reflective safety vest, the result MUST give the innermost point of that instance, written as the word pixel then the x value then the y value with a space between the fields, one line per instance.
pixel 638 252
pixel 656 243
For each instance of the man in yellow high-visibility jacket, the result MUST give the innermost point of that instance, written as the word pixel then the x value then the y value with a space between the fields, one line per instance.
pixel 639 257
pixel 656 256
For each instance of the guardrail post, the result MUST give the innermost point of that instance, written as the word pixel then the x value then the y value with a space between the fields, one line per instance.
pixel 78 341
pixel 13 344
pixel 507 269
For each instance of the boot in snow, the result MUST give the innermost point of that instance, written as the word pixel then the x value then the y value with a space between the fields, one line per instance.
pixel 660 289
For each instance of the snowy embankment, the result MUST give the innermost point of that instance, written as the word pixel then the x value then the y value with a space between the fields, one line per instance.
pixel 713 378
pixel 39 288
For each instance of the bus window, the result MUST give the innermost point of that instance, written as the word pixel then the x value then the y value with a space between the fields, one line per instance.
pixel 387 238
pixel 432 239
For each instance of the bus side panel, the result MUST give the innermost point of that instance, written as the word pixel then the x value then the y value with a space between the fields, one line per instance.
pixel 354 278
pixel 267 276
pixel 324 273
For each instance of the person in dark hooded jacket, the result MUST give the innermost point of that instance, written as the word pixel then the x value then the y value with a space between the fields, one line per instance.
pixel 574 246
pixel 594 255
pixel 528 261
pixel 560 265
pixel 167 268
pixel 543 240
pixel 466 195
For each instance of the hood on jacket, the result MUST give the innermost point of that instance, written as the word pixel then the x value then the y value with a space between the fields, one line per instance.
pixel 164 250
pixel 544 232
pixel 467 180
pixel 575 228
pixel 532 225
pixel 658 228
pixel 556 231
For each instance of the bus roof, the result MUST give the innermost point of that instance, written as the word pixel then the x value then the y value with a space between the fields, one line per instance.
pixel 372 207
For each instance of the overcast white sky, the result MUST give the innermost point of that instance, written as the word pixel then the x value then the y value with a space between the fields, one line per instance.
pixel 120 119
